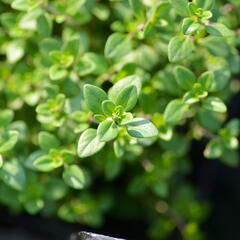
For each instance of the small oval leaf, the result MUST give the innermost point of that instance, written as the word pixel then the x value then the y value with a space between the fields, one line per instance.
pixel 89 143
pixel 107 131
pixel 94 96
pixel 141 128
pixel 117 46
pixel 74 177
pixel 214 104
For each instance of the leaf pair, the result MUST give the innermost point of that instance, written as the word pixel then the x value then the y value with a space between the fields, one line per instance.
pixel 111 111
pixel 125 97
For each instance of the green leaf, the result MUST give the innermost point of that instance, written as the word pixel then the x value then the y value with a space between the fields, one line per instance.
pixel 206 80
pixel 230 158
pixel 92 63
pixel 199 91
pixel 175 111
pixel 74 177
pixel 141 128
pixel 73 7
pixel 108 107
pixel 47 141
pixel 125 118
pixel 214 149
pixel 179 48
pixel 67 156
pixel 8 140
pixel 194 10
pixel 71 47
pixel 13 174
pixel 15 50
pixel 214 104
pixel 231 142
pixel 61 59
pixel 56 72
pixel 44 25
pixel 56 189
pixel 180 6
pixel 137 7
pixel 221 79
pixel 24 5
pixel 29 163
pixel 233 127
pixel 1 161
pixel 190 98
pixel 46 163
pixel 33 206
pixel 206 15
pixel 94 96
pixel 127 98
pixel 219 29
pixel 29 20
pixel 132 80
pixel 205 4
pixel 107 131
pixel 185 78
pixel 99 117
pixel 101 11
pixel 117 46
pixel 112 167
pixel 189 26
pixel 48 45
pixel 6 116
pixel 118 148
pixel 208 120
pixel 165 133
pixel 89 143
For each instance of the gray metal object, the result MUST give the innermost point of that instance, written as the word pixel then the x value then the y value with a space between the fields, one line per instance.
pixel 91 236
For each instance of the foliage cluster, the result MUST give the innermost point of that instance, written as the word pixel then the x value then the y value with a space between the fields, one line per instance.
pixel 100 102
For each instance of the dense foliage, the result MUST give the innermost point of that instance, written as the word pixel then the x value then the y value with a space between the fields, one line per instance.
pixel 101 100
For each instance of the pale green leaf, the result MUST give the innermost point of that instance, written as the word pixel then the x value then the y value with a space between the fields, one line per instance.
pixel 214 104
pixel 89 143
pixel 8 140
pixel 180 6
pixel 141 128
pixel 117 46
pixel 74 177
pixel 94 96
pixel 175 111
pixel 107 131
pixel 123 83
pixel 185 78
pixel 47 141
pixel 127 98
pixel 219 29
pixel 180 48
pixel 13 174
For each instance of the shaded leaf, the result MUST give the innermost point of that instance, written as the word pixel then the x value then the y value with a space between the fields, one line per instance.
pixel 74 177
pixel 107 131
pixel 117 46
pixel 141 128
pixel 179 48
pixel 89 143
